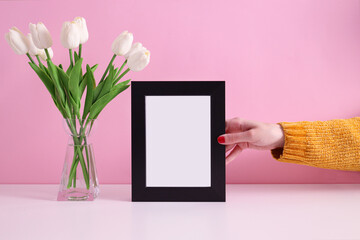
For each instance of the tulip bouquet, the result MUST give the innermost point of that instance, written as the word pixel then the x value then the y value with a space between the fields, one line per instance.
pixel 67 85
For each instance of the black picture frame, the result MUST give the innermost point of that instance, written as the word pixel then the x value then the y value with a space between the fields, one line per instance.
pixel 216 91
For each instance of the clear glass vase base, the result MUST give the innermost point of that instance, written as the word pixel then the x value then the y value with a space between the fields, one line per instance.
pixel 76 195
pixel 79 178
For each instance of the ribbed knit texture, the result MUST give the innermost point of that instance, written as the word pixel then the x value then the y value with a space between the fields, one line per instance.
pixel 333 144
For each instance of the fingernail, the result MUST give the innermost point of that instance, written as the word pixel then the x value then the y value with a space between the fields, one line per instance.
pixel 221 139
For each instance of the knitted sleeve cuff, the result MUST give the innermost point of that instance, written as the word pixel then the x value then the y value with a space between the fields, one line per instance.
pixel 294 150
pixel 333 144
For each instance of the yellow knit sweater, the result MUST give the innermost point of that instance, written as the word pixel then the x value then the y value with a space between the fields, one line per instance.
pixel 333 144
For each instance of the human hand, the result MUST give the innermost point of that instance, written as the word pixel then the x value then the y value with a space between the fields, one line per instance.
pixel 241 134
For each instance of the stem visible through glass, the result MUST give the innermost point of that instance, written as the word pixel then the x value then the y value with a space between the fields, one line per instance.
pixel 78 155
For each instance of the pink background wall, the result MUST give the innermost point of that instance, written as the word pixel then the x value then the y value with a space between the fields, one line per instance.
pixel 282 61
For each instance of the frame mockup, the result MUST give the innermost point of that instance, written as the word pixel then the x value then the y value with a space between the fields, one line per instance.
pixel 175 153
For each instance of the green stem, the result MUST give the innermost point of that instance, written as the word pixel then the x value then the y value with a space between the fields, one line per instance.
pixel 87 155
pixel 122 66
pixel 123 74
pixel 80 157
pixel 30 58
pixel 76 159
pixel 107 69
pixel 73 168
pixel 80 47
pixel 47 54
pixel 74 180
pixel 79 154
pixel 71 57
pixel 38 58
pixel 83 166
pixel 120 69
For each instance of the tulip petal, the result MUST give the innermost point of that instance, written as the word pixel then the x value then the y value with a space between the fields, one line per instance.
pixel 33 50
pixel 43 54
pixel 81 24
pixel 40 35
pixel 122 43
pixel 44 36
pixel 134 48
pixel 139 60
pixel 17 41
pixel 70 35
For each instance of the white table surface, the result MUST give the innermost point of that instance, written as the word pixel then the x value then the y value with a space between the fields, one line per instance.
pixel 251 212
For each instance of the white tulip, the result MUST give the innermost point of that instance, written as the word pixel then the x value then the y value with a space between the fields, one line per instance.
pixel 43 54
pixel 84 34
pixel 70 35
pixel 40 35
pixel 33 50
pixel 134 48
pixel 139 60
pixel 17 41
pixel 122 43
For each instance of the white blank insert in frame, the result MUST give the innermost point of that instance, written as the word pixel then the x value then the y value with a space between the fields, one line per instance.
pixel 178 150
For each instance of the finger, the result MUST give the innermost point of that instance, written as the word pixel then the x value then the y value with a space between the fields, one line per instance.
pixel 244 145
pixel 253 146
pixel 239 125
pixel 234 153
pixel 232 125
pixel 234 138
pixel 229 147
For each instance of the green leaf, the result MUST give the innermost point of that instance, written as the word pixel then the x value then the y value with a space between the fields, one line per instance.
pixel 116 70
pixel 68 71
pixel 58 98
pixel 108 82
pixel 124 82
pixel 74 81
pixel 82 86
pixel 49 83
pixel 122 75
pixel 60 66
pixel 99 105
pixel 60 108
pixel 76 57
pixel 76 106
pixel 83 82
pixel 93 68
pixel 44 78
pixel 97 91
pixel 122 66
pixel 45 69
pixel 90 90
pixel 64 78
pixel 55 77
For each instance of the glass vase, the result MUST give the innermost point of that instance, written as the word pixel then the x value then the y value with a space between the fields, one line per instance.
pixel 79 178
